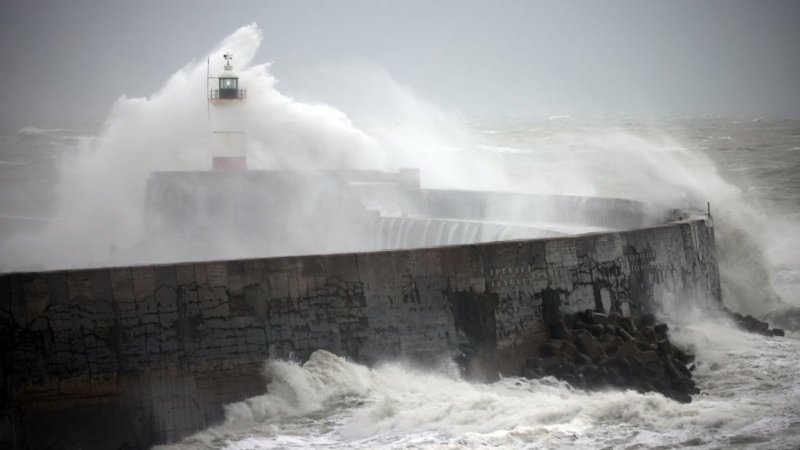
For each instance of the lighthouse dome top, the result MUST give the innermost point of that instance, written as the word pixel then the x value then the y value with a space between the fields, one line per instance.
pixel 228 74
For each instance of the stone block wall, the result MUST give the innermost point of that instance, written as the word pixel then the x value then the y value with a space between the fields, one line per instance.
pixel 132 356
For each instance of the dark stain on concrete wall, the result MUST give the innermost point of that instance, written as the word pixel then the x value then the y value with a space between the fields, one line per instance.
pixel 474 315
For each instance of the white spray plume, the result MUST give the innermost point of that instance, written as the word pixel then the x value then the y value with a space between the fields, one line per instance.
pixel 585 158
pixel 659 170
pixel 102 188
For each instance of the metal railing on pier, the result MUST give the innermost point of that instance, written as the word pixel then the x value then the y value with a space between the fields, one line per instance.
pixel 227 94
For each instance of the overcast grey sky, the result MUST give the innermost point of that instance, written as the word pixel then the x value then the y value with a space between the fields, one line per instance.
pixel 75 57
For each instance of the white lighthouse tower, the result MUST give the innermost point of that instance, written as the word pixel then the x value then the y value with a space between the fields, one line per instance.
pixel 225 114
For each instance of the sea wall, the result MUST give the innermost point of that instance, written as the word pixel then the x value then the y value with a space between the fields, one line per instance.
pixel 132 356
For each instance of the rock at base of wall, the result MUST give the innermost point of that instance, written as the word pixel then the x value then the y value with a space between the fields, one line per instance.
pixel 787 317
pixel 590 350
pixel 752 324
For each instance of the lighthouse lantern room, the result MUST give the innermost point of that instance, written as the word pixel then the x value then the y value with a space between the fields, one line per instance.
pixel 228 84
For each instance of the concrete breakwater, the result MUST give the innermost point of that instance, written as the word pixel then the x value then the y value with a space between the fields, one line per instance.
pixel 132 356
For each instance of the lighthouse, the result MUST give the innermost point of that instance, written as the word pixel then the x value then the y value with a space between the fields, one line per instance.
pixel 226 118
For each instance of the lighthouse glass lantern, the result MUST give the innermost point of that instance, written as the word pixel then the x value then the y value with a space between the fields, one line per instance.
pixel 228 86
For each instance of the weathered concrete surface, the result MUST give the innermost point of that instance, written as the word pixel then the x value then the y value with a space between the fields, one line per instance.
pixel 127 357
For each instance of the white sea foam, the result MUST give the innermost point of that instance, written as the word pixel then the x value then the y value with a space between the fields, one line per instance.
pixel 750 396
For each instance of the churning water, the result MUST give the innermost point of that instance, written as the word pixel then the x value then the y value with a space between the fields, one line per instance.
pixel 750 399
pixel 90 177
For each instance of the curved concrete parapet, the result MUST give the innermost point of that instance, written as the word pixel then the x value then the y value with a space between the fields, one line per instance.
pixel 202 215
pixel 563 210
pixel 132 356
